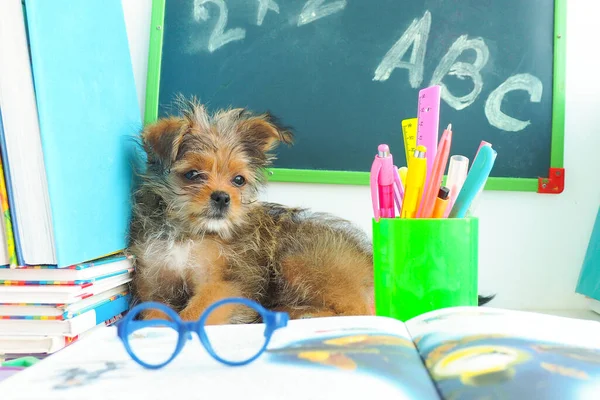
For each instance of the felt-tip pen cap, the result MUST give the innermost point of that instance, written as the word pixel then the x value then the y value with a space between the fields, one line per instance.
pixel 444 193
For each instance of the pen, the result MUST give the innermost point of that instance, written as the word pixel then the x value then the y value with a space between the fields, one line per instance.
pixel 415 180
pixel 441 203
pixel 476 178
pixel 382 182
pixel 432 185
pixel 457 173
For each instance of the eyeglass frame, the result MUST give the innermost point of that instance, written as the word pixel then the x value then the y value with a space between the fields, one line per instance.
pixel 273 320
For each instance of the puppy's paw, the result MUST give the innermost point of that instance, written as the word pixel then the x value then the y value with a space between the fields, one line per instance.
pixel 190 314
pixel 154 314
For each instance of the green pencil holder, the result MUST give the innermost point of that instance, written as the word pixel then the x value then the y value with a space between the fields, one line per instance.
pixel 421 265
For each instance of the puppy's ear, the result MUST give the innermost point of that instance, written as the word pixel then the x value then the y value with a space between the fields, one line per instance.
pixel 162 140
pixel 264 132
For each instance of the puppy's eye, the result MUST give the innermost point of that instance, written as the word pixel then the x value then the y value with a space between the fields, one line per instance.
pixel 239 180
pixel 193 175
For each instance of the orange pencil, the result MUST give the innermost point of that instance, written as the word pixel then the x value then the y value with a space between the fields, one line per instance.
pixel 439 166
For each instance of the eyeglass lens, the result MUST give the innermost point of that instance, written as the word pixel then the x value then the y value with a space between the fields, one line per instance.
pixel 239 344
pixel 164 340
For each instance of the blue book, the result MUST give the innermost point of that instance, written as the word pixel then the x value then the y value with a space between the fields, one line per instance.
pixel 589 278
pixel 88 115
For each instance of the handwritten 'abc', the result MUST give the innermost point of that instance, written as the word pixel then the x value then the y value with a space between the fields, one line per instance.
pixel 415 36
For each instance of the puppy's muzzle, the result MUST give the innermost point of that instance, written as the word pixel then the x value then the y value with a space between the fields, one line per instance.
pixel 220 201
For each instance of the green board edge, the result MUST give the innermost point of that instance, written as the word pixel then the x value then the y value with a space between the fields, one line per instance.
pixel 157 21
pixel 557 150
pixel 362 178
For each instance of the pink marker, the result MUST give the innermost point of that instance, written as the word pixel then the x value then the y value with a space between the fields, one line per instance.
pixel 384 177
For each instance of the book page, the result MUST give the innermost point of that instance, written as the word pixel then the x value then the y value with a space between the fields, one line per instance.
pixel 482 352
pixel 321 358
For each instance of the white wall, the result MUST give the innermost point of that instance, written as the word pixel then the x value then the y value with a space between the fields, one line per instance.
pixel 529 268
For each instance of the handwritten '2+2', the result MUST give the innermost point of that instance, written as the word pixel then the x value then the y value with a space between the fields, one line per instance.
pixel 416 35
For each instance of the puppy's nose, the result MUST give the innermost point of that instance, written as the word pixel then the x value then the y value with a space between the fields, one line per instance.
pixel 221 199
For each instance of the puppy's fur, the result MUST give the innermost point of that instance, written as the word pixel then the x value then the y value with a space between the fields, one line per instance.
pixel 199 234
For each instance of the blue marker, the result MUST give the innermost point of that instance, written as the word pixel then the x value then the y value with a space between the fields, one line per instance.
pixel 476 178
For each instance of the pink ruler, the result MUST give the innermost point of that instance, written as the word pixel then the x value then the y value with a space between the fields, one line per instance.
pixel 428 115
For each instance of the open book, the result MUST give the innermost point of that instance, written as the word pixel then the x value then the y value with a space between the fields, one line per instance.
pixel 456 353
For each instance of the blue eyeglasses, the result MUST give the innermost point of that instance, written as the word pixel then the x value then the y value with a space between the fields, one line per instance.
pixel 217 340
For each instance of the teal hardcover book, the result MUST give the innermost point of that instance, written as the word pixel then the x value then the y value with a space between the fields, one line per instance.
pixel 589 279
pixel 88 113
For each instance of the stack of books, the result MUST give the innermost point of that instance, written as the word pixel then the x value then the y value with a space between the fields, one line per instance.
pixel 44 308
pixel 68 112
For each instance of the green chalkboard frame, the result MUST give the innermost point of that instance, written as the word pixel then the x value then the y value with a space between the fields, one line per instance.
pixel 362 178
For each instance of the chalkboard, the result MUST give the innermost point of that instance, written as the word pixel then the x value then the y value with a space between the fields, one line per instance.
pixel 345 73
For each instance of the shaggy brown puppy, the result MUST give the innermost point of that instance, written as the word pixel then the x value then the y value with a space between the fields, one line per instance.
pixel 199 234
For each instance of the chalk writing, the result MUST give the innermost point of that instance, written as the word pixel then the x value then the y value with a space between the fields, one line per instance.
pixel 219 36
pixel 416 35
pixel 449 66
pixel 263 7
pixel 494 114
pixel 315 9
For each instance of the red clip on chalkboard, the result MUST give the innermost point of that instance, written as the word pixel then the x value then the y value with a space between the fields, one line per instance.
pixel 554 184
